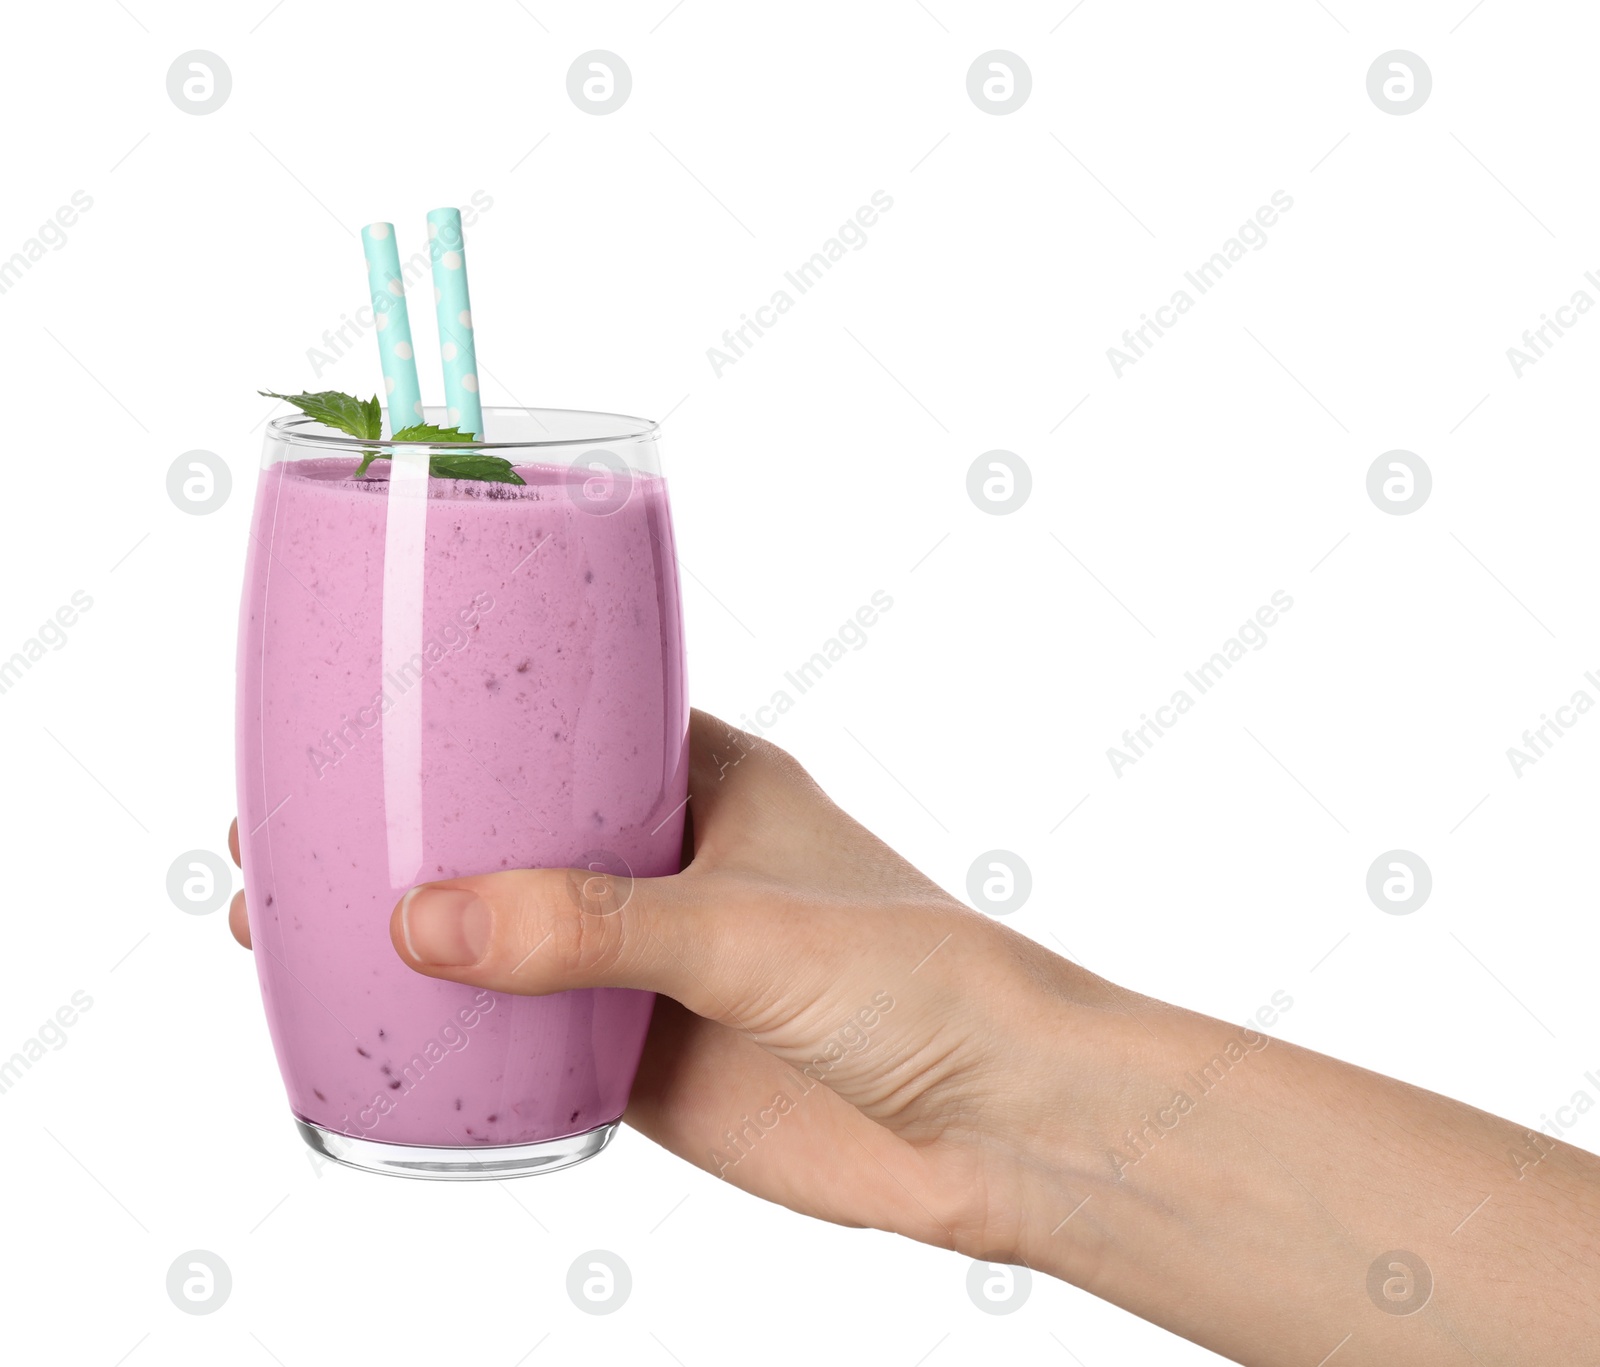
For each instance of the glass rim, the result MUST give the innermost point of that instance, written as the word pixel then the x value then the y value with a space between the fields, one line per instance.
pixel 287 427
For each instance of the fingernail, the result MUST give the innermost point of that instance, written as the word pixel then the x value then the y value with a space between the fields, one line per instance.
pixel 446 927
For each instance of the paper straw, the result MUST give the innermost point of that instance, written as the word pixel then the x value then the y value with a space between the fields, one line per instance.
pixel 393 326
pixel 456 348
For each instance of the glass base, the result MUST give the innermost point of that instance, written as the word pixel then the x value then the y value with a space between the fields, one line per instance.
pixel 441 1163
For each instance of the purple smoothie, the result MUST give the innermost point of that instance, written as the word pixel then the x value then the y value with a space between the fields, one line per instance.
pixel 505 689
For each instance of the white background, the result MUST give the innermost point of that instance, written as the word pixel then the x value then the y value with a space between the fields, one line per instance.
pixel 829 462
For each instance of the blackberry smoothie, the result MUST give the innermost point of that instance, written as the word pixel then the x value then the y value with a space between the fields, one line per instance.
pixel 441 677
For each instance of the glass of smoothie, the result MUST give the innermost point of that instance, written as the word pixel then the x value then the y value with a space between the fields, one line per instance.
pixel 440 677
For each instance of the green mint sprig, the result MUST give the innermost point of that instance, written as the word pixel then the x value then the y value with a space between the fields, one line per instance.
pixel 364 419
pixel 342 412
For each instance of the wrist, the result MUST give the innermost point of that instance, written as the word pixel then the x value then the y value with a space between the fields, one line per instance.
pixel 1065 1176
pixel 1072 1065
pixel 1121 1160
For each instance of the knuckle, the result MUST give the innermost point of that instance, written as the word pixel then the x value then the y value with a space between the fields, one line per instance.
pixel 584 939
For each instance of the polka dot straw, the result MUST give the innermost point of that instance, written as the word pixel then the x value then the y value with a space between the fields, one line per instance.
pixel 393 326
pixel 456 346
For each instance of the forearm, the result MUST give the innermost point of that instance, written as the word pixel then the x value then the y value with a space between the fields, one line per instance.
pixel 1242 1192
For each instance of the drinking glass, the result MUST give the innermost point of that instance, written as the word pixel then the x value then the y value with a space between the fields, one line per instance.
pixel 441 677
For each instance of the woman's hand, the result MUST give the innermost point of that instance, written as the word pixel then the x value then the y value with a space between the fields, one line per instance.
pixel 838 1034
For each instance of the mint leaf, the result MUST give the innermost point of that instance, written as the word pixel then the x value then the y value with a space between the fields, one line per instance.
pixel 342 412
pixel 364 419
pixel 474 465
pixel 423 431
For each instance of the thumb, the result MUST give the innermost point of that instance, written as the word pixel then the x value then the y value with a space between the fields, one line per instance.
pixel 535 931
